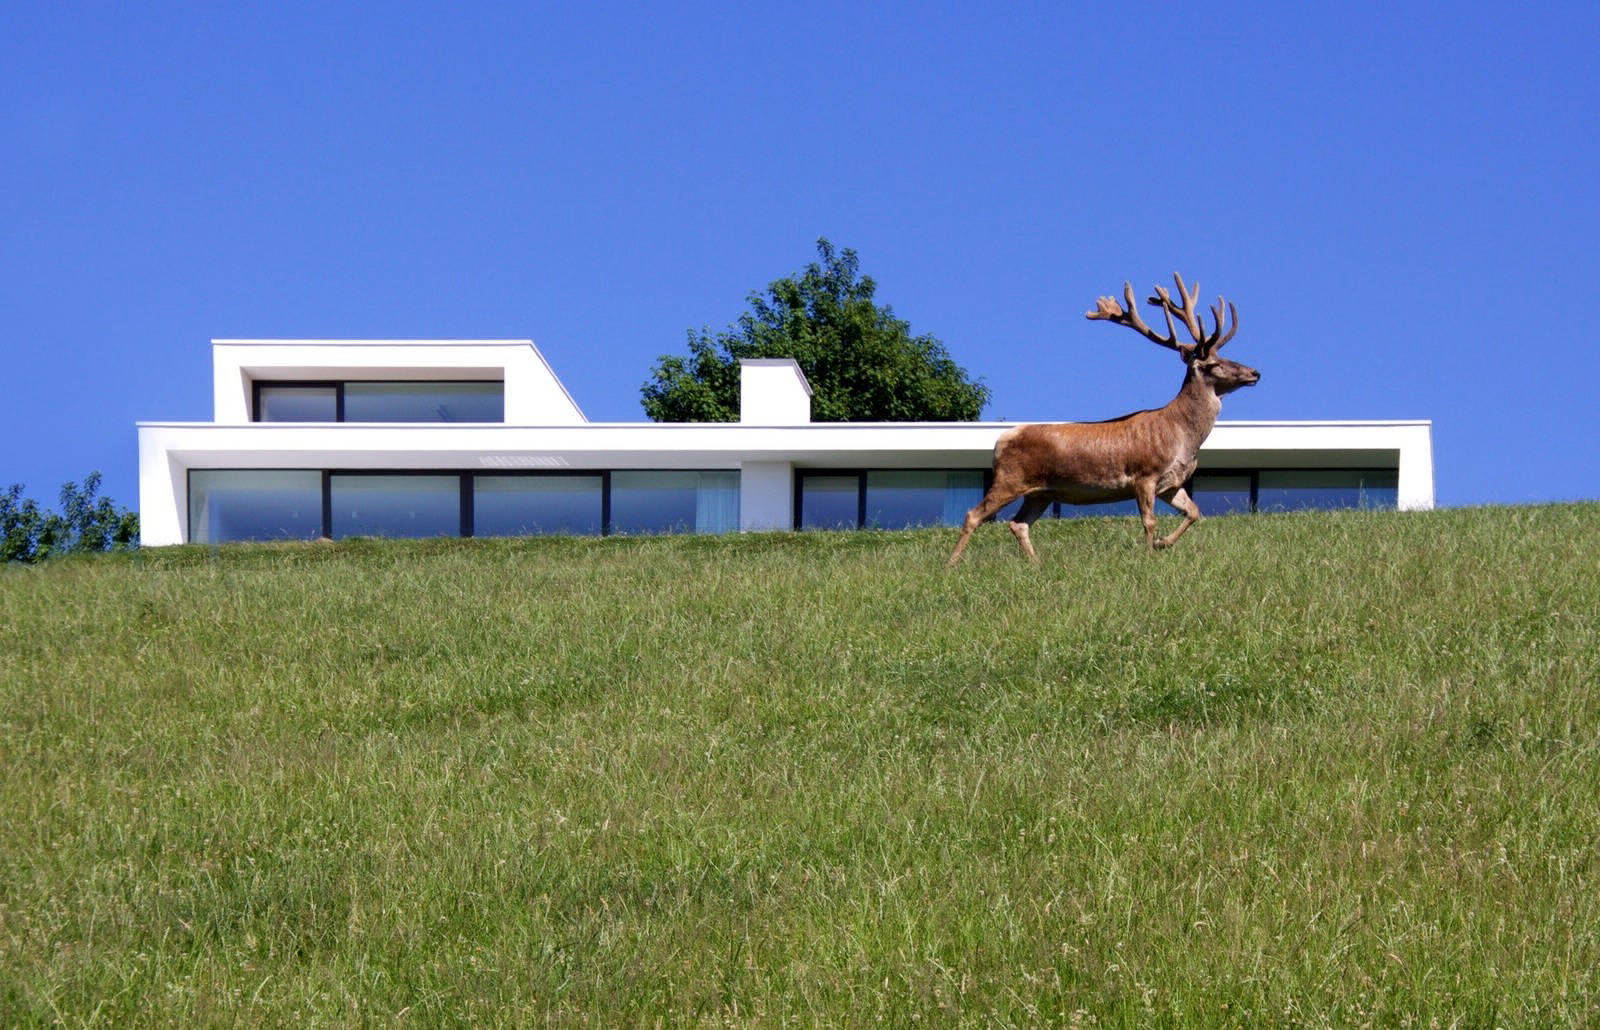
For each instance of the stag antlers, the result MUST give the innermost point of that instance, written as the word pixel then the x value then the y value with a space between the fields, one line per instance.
pixel 1107 309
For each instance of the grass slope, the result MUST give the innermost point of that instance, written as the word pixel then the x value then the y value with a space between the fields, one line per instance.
pixel 1325 768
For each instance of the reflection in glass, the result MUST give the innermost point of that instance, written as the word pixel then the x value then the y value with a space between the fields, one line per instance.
pixel 1221 495
pixel 396 506
pixel 534 505
pixel 674 502
pixel 902 499
pixel 297 404
pixel 424 402
pixel 251 504
pixel 1080 511
pixel 830 502
pixel 1327 488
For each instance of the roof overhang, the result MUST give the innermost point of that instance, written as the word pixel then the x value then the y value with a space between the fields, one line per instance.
pixel 725 445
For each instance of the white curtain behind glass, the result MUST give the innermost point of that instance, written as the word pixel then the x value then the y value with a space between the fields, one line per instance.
pixel 716 502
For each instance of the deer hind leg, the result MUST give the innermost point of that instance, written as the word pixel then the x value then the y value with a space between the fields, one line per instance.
pixel 1032 508
pixel 1179 498
pixel 997 497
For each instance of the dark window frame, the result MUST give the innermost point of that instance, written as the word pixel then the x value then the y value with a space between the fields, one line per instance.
pixel 338 394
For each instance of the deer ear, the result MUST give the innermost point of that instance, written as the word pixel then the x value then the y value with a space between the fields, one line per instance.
pixel 1186 351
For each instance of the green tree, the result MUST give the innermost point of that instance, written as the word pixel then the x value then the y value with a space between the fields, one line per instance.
pixel 84 523
pixel 862 362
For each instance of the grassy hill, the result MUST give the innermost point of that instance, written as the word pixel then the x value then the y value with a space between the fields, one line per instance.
pixel 1322 768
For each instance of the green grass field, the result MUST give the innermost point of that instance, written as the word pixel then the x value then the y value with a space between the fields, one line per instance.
pixel 1322 769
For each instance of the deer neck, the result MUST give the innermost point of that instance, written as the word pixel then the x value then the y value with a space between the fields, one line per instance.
pixel 1196 407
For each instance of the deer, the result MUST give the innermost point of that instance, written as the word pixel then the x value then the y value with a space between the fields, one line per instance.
pixel 1142 455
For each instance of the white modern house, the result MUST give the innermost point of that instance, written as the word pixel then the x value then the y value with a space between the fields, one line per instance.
pixel 407 438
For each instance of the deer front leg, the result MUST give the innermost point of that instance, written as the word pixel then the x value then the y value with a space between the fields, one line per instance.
pixel 1179 498
pixel 992 502
pixel 1145 494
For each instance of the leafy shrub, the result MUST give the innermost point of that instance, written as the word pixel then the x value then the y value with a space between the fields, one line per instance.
pixel 84 523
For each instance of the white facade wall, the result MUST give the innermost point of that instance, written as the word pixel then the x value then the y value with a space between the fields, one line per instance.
pixel 766 495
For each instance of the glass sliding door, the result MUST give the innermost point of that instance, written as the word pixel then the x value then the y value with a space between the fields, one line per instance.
pixel 830 501
pixel 899 499
pixel 536 505
pixel 1083 511
pixel 395 505
pixel 1313 489
pixel 254 504
pixel 1221 494
pixel 660 501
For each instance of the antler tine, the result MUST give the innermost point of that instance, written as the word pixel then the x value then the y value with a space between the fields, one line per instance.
pixel 1163 300
pixel 1166 310
pixel 1190 296
pixel 1186 310
pixel 1107 309
pixel 1233 313
pixel 1191 309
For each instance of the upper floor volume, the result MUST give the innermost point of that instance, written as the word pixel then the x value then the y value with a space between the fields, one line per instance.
pixel 504 381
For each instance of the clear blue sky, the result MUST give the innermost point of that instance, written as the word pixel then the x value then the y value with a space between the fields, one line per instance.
pixel 1403 199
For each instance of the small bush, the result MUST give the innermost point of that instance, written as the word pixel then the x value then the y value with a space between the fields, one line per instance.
pixel 84 523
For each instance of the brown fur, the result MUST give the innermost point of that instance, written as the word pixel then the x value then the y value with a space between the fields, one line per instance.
pixel 1144 455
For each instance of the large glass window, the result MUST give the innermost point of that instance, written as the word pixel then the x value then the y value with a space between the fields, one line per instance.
pixel 1083 511
pixel 250 504
pixel 297 404
pixel 902 499
pixel 396 506
pixel 674 502
pixel 830 502
pixel 424 402
pixel 1218 494
pixel 1009 512
pixel 1326 488
pixel 253 504
pixel 533 505
pixel 433 401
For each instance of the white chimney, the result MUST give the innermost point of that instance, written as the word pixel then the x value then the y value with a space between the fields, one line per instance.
pixel 773 392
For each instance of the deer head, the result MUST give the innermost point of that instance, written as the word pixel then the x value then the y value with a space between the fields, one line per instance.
pixel 1222 375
